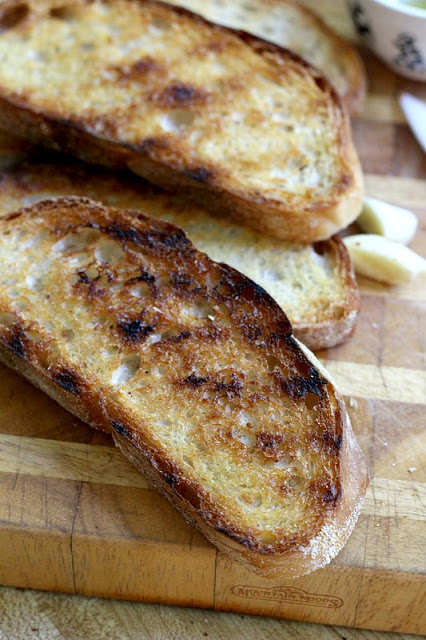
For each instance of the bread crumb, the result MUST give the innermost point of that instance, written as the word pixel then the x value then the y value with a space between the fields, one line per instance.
pixel 353 403
pixel 411 469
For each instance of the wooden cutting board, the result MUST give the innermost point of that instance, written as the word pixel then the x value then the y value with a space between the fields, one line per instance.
pixel 76 517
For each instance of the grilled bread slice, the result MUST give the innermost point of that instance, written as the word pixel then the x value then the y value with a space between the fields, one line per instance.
pixel 241 125
pixel 192 368
pixel 314 284
pixel 295 27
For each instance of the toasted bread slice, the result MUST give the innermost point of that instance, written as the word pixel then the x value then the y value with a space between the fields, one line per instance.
pixel 314 284
pixel 293 26
pixel 192 368
pixel 241 125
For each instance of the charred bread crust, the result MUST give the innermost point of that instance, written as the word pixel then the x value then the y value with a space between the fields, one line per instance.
pixel 245 314
pixel 299 219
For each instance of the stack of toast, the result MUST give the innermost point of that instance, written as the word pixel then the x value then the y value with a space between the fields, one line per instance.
pixel 118 313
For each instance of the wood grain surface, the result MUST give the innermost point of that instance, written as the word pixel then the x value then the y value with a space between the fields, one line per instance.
pixel 76 517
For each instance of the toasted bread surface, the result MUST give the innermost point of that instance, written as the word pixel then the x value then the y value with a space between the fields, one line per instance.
pixel 237 123
pixel 193 369
pixel 293 26
pixel 314 284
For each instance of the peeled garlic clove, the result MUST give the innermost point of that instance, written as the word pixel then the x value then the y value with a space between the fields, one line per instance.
pixel 384 219
pixel 385 260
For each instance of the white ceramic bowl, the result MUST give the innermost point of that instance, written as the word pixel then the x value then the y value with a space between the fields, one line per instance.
pixel 395 31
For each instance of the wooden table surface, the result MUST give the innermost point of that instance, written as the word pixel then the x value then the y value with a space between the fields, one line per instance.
pixel 36 615
pixel 387 150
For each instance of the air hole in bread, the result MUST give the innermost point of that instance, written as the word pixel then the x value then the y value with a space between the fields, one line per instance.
pixel 52 357
pixel 203 309
pixel 136 248
pixel 201 447
pixel 80 260
pixel 248 6
pixel 311 400
pixel 161 370
pixel 21 305
pixel 267 538
pixel 87 46
pixel 36 240
pixel 127 370
pixel 160 24
pixel 34 336
pixel 176 120
pixel 284 461
pixel 223 289
pixel 248 420
pixel 68 334
pixel 109 352
pixel 140 290
pixel 214 278
pixel 163 281
pixel 34 283
pixel 63 13
pixel 188 461
pixel 272 362
pixel 170 333
pixel 108 251
pixel 76 241
pixel 103 280
pixel 106 319
pixel 49 326
pixel 246 437
pixel 272 275
pixel 232 405
pixel 10 18
pixel 294 482
pixel 7 319
pixel 91 272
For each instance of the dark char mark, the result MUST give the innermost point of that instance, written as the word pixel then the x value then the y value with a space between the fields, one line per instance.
pixel 330 444
pixel 17 343
pixel 66 379
pixel 181 279
pixel 201 174
pixel 170 478
pixel 195 381
pixel 145 277
pixel 232 389
pixel 179 95
pixel 120 428
pixel 117 232
pixel 135 330
pixel 299 386
pixel 332 495
pixel 174 238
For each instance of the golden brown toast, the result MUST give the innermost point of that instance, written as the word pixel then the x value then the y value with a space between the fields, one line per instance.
pixel 239 124
pixel 192 368
pixel 314 284
pixel 293 26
